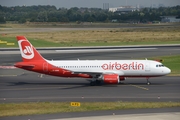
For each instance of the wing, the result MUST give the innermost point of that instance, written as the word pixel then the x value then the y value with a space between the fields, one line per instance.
pixel 98 73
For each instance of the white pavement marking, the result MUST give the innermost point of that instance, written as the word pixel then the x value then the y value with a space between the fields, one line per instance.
pixel 150 116
pixel 175 49
pixel 80 50
pixel 7 67
pixel 8 75
pixel 102 50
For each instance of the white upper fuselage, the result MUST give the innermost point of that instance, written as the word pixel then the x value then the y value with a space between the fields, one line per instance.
pixel 127 68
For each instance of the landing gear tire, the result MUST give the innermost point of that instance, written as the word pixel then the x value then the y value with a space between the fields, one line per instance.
pixel 148 83
pixel 96 82
pixel 92 83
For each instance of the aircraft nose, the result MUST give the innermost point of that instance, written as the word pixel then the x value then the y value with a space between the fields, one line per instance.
pixel 168 70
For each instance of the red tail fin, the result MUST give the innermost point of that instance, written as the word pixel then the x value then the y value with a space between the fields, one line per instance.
pixel 28 52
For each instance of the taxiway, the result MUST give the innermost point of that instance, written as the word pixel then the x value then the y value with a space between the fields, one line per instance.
pixel 22 86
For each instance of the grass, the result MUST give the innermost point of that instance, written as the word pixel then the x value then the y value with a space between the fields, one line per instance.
pixel 35 42
pixel 106 37
pixel 17 109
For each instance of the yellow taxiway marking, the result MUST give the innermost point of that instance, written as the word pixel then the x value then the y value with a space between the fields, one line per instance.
pixel 137 86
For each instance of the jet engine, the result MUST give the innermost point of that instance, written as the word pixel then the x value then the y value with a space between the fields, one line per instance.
pixel 111 78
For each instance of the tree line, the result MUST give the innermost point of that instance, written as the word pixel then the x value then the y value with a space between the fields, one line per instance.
pixel 47 13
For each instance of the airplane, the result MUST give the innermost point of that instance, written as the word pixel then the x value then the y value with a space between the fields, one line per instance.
pixel 99 71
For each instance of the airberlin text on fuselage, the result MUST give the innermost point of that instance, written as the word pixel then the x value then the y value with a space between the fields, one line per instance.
pixel 123 66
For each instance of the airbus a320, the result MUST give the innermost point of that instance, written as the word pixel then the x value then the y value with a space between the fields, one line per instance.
pixel 99 71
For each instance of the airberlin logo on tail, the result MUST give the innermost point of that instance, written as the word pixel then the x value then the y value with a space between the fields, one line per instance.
pixel 26 49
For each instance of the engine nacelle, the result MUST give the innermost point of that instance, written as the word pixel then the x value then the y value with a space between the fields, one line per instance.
pixel 111 78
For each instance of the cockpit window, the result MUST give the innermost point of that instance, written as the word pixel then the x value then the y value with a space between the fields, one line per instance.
pixel 160 65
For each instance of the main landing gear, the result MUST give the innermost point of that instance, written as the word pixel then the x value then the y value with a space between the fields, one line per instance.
pixel 148 82
pixel 95 82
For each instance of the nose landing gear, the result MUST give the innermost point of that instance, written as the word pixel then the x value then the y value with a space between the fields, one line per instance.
pixel 148 82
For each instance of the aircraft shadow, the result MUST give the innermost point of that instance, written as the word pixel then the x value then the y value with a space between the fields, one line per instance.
pixel 50 84
pixel 74 85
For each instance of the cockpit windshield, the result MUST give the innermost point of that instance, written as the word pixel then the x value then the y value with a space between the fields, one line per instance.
pixel 160 65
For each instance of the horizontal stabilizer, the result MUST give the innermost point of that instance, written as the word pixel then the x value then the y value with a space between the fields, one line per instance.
pixel 24 65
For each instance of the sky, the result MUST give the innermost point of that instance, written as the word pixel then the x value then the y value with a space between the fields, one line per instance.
pixel 88 3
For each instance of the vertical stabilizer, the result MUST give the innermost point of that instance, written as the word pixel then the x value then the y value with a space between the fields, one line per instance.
pixel 28 52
